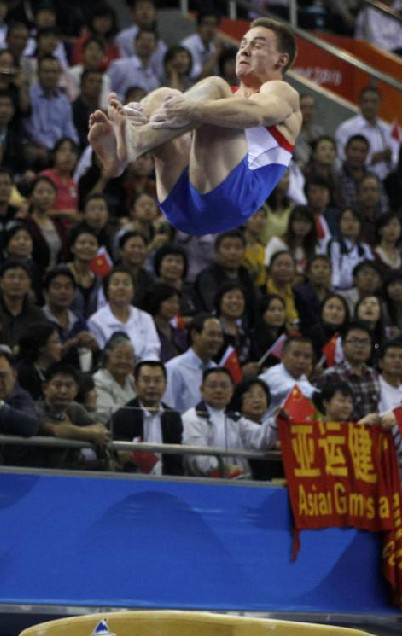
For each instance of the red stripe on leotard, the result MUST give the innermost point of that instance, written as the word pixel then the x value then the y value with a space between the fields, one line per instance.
pixel 281 139
pixel 273 130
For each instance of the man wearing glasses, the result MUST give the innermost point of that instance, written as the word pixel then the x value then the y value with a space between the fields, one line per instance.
pixel 211 424
pixel 362 379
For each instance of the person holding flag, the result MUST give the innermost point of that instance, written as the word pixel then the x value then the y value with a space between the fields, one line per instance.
pixel 326 334
pixel 270 331
pixel 296 365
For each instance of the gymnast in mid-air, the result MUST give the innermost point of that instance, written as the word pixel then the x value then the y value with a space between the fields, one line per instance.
pixel 219 152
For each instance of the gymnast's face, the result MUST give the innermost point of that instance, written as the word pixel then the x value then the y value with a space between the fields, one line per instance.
pixel 258 59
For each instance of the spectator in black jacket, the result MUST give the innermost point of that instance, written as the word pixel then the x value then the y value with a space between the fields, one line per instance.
pixel 310 294
pixel 11 151
pixel 17 311
pixel 7 211
pixel 229 255
pixel 147 419
pixel 86 102
pixel 17 410
pixel 39 348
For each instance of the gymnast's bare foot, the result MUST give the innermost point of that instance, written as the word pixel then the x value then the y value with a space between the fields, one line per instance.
pixel 102 139
pixel 124 121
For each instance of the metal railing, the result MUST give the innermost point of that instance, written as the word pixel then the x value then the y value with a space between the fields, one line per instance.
pixel 325 46
pixel 169 449
pixel 388 11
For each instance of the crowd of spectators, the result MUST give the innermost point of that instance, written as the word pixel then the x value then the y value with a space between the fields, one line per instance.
pixel 114 325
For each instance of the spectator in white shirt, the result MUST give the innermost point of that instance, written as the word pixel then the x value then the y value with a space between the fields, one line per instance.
pixel 210 425
pixel 390 363
pixel 379 29
pixel 114 381
pixel 45 17
pixel 120 315
pixel 366 282
pixel 383 153
pixel 185 371
pixel 135 70
pixel 94 51
pixel 205 46
pixel 143 13
pixel 390 380
pixel 252 398
pixel 347 251
pixel 296 365
pixel 49 42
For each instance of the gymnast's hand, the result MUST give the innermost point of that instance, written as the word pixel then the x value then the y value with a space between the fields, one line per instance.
pixel 175 112
pixel 135 114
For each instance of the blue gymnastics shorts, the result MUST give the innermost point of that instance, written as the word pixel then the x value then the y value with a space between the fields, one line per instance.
pixel 228 206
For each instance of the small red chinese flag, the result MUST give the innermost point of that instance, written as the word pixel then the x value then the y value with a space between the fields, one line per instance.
pixel 319 227
pixel 328 350
pixel 396 131
pixel 233 473
pixel 143 460
pixel 230 360
pixel 398 418
pixel 178 322
pixel 298 407
pixel 102 264
pixel 275 349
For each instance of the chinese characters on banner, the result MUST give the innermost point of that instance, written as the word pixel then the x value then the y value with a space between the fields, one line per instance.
pixel 343 474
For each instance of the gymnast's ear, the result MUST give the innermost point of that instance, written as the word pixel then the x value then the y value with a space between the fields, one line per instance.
pixel 283 60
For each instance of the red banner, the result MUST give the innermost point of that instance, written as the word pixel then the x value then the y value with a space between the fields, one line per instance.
pixel 342 474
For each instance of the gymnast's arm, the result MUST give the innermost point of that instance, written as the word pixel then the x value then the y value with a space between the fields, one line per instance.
pixel 277 102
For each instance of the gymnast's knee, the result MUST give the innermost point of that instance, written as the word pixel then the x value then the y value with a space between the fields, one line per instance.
pixel 217 84
pixel 155 99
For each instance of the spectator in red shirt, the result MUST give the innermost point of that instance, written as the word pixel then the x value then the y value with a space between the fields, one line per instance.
pixel 65 159
pixel 103 24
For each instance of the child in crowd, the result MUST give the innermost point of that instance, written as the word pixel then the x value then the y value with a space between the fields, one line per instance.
pixel 347 251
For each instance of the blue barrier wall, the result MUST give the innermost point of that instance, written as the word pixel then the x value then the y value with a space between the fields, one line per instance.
pixel 136 543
